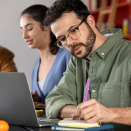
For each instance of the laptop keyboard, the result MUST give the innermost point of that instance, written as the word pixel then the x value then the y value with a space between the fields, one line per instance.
pixel 46 122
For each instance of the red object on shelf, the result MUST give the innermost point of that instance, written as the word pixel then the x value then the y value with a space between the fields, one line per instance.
pixel 123 12
pixel 126 37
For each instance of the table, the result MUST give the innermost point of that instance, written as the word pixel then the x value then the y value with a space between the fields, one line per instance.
pixel 19 128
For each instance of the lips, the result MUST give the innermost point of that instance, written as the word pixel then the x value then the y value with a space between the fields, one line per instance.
pixel 29 42
pixel 77 49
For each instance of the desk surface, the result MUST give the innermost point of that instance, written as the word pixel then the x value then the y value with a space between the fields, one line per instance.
pixel 18 128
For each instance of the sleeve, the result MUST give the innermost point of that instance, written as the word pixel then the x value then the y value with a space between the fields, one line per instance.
pixel 33 75
pixel 64 93
pixel 6 61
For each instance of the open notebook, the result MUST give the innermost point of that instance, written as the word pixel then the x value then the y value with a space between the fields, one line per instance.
pixel 77 123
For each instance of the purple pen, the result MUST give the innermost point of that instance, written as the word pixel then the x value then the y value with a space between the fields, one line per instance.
pixel 86 94
pixel 87 89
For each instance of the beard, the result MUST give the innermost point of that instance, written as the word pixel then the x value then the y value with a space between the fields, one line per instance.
pixel 88 45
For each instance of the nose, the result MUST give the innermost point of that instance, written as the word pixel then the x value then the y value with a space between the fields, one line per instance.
pixel 70 42
pixel 25 35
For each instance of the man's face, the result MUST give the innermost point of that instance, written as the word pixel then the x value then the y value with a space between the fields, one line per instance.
pixel 80 47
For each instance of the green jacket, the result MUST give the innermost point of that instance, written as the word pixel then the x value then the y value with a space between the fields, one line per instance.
pixel 109 69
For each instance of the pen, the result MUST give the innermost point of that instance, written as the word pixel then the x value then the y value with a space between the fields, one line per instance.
pixel 86 93
pixel 87 89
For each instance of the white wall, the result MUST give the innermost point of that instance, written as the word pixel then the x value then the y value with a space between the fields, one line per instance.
pixel 85 2
pixel 11 36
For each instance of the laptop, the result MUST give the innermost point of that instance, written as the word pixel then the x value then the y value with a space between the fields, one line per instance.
pixel 16 104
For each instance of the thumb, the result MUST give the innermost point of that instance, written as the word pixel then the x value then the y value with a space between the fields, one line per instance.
pixel 35 92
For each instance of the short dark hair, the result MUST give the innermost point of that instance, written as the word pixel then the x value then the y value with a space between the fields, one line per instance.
pixel 38 13
pixel 65 6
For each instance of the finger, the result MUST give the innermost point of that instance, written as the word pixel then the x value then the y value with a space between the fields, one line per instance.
pixel 85 105
pixel 36 103
pixel 93 119
pixel 41 105
pixel 89 115
pixel 75 116
pixel 87 110
pixel 35 92
pixel 32 93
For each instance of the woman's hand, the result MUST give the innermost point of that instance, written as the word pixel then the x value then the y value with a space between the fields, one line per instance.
pixel 38 104
pixel 35 96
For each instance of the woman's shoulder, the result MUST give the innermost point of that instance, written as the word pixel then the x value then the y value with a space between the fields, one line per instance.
pixel 63 55
pixel 63 52
pixel 37 62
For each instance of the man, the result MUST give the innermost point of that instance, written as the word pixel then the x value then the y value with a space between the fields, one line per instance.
pixel 6 60
pixel 103 57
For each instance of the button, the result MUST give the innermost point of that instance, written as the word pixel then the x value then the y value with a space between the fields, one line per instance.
pixel 102 54
pixel 93 91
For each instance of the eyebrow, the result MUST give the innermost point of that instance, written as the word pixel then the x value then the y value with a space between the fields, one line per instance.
pixel 67 31
pixel 27 25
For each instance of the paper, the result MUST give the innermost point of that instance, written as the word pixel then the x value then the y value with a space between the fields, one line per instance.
pixel 77 123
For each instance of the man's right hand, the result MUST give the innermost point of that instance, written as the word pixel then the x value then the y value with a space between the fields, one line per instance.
pixel 35 96
pixel 67 111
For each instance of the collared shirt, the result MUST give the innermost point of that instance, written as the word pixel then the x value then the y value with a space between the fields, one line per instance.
pixel 109 70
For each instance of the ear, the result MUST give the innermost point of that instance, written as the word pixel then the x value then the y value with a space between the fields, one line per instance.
pixel 91 21
pixel 46 28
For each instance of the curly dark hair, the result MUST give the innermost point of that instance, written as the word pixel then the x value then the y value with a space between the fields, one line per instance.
pixel 65 6
pixel 38 13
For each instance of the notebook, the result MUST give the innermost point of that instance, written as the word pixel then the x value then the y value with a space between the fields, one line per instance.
pixel 16 104
pixel 103 127
pixel 77 123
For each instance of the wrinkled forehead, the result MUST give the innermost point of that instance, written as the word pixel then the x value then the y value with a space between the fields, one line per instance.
pixel 62 25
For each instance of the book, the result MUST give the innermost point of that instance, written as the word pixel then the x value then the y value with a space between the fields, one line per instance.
pixel 126 27
pixel 77 123
pixel 64 128
pixel 61 128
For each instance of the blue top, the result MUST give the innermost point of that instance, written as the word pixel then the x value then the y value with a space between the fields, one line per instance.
pixel 54 75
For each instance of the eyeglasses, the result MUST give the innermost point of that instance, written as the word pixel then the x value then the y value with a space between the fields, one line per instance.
pixel 74 34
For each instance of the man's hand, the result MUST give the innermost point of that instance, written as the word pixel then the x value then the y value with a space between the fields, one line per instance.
pixel 92 111
pixel 35 96
pixel 67 111
pixel 38 104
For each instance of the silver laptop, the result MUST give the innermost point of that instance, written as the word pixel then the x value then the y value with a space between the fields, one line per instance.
pixel 16 104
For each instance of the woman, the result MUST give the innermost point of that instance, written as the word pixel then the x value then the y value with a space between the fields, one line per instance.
pixel 51 64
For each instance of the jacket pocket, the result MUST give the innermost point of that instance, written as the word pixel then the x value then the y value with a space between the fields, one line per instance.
pixel 112 94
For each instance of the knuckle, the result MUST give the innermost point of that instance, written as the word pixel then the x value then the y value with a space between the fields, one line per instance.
pixel 96 105
pixel 85 117
pixel 82 112
pixel 80 106
pixel 93 100
pixel 99 116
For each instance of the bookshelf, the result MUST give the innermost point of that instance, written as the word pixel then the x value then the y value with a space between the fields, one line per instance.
pixel 123 13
